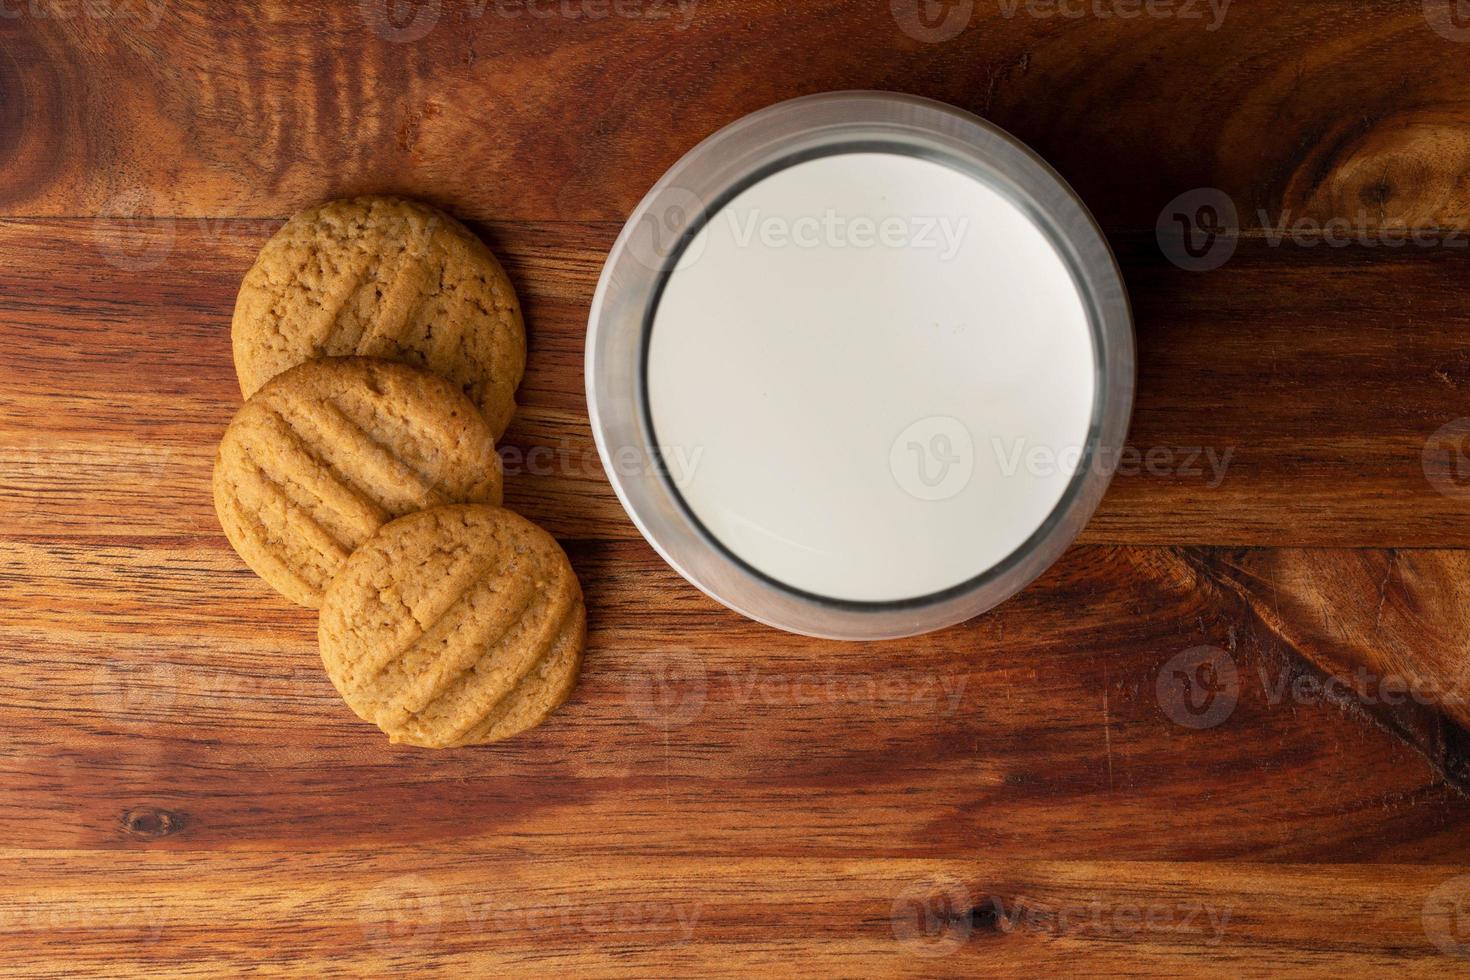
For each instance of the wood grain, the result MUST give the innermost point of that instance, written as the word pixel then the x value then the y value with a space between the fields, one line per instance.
pixel 453 909
pixel 1182 750
pixel 216 112
pixel 1284 399
pixel 1042 727
pixel 1398 658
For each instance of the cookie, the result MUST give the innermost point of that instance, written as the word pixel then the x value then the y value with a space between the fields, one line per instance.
pixel 454 626
pixel 389 278
pixel 329 451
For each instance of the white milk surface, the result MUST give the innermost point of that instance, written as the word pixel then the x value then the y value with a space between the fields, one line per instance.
pixel 871 377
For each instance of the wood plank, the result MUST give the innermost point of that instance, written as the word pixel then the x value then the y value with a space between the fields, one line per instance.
pixel 1286 398
pixel 462 908
pixel 175 109
pixel 160 696
pixel 1182 750
pixel 1386 630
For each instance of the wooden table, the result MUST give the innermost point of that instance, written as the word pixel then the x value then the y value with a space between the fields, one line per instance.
pixel 1225 734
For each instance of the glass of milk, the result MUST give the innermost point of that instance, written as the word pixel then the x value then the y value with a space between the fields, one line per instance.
pixel 860 366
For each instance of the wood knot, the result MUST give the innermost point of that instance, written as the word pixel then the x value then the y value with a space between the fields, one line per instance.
pixel 1376 193
pixel 985 916
pixel 1394 170
pixel 152 823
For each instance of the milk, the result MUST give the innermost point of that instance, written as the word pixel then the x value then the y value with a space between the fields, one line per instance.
pixel 873 376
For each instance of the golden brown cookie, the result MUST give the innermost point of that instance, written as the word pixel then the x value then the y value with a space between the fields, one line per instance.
pixel 383 277
pixel 454 626
pixel 329 451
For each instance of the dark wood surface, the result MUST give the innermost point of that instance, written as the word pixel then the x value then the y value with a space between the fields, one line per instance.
pixel 181 791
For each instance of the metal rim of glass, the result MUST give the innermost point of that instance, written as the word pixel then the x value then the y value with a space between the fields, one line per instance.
pixel 647 252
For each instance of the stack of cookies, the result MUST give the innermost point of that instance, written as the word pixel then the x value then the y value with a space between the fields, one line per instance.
pixel 379 346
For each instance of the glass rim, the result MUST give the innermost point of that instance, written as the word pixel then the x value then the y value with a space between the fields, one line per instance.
pixel 649 249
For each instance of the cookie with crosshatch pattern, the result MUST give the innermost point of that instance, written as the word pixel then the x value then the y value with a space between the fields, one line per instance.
pixel 329 451
pixel 455 626
pixel 389 278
